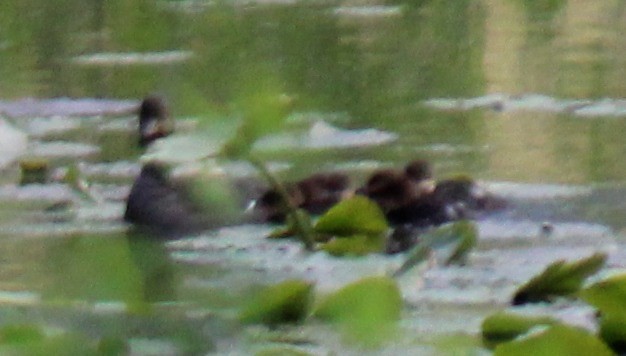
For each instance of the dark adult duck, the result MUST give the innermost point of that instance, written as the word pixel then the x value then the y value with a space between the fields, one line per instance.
pixel 174 207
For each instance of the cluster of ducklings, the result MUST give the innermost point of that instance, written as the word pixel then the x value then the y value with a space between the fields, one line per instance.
pixel 407 197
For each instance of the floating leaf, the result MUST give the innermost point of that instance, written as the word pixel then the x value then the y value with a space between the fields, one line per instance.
pixel 502 326
pixel 357 215
pixel 357 245
pixel 286 302
pixel 608 295
pixel 463 233
pixel 558 279
pixel 367 309
pixel 468 235
pixel 556 340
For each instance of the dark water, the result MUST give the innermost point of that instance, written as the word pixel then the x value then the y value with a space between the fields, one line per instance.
pixel 524 95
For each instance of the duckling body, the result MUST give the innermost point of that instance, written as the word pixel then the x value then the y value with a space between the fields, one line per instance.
pixel 315 194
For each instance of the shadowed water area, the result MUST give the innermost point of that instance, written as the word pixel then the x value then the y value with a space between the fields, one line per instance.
pixel 527 97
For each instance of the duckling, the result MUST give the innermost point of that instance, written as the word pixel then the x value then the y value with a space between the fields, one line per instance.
pixel 315 194
pixel 154 120
pixel 393 188
pixel 323 190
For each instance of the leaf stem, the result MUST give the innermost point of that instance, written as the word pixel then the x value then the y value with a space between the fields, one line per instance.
pixel 301 224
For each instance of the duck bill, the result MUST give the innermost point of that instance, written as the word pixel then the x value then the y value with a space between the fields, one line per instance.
pixel 154 129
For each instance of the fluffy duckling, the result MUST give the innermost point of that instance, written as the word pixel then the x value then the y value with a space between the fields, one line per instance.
pixel 315 194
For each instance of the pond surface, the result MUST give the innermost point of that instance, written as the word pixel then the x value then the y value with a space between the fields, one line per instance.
pixel 525 96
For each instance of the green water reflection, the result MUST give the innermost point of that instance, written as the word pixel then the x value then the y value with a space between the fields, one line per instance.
pixel 375 67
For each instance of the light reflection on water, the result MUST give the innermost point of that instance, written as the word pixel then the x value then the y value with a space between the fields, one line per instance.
pixel 529 114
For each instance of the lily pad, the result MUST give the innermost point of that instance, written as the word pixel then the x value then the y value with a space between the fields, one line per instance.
pixel 502 326
pixel 608 295
pixel 463 233
pixel 613 331
pixel 357 215
pixel 556 340
pixel 367 309
pixel 286 302
pixel 357 245
pixel 561 278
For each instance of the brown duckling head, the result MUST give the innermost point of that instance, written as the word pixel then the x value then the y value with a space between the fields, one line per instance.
pixel 154 120
pixel 418 170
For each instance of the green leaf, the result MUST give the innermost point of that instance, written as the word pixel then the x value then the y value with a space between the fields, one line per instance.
pixel 559 279
pixel 21 333
pixel 555 341
pixel 264 108
pixel 503 326
pixel 357 245
pixel 366 309
pixel 468 236
pixel 64 344
pixel 463 233
pixel 608 295
pixel 357 215
pixel 613 331
pixel 286 302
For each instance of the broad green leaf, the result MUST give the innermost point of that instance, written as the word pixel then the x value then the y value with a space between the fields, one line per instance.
pixel 357 245
pixel 286 302
pixel 555 341
pixel 608 295
pixel 366 309
pixel 357 215
pixel 503 326
pixel 462 233
pixel 558 279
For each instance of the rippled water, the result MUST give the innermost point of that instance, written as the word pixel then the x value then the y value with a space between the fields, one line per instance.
pixel 527 99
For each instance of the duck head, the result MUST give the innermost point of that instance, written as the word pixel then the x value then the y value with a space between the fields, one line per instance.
pixel 154 120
